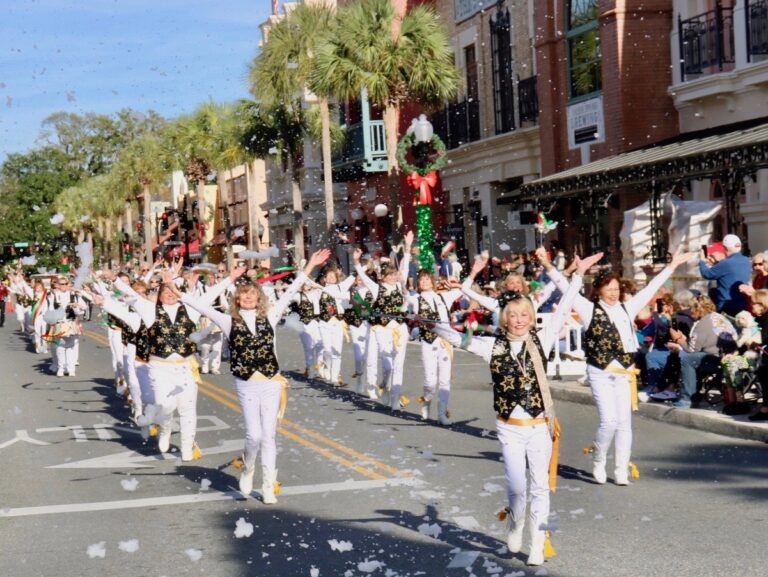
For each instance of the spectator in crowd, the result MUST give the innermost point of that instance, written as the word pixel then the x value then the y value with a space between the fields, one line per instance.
pixel 711 333
pixel 413 268
pixel 760 311
pixel 729 273
pixel 3 298
pixel 760 278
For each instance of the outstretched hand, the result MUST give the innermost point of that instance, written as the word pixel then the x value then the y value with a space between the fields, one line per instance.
pixel 680 257
pixel 481 261
pixel 409 240
pixel 584 264
pixel 317 258
pixel 356 254
pixel 237 272
pixel 543 257
pixel 452 282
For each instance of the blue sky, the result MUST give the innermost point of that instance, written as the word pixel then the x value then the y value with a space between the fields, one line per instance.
pixel 104 55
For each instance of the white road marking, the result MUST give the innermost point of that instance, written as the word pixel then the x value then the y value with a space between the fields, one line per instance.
pixel 366 485
pixel 133 460
pixel 22 435
pixel 77 432
pixel 102 432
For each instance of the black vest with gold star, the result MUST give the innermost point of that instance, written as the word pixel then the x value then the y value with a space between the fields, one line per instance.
pixel 426 312
pixel 511 386
pixel 139 338
pixel 602 341
pixel 387 305
pixel 306 309
pixel 166 338
pixel 251 352
pixel 328 308
pixel 357 312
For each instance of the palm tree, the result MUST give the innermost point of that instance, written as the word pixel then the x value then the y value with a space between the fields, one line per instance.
pixel 395 57
pixel 282 71
pixel 142 165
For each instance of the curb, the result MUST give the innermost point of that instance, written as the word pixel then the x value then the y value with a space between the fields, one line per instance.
pixel 701 419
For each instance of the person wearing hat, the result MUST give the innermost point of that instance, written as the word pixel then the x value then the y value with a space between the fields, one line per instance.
pixel 729 274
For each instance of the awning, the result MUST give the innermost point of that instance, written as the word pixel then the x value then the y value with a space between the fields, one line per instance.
pixel 702 157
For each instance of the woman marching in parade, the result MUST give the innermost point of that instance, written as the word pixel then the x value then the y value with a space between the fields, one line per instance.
pixel 250 330
pixel 610 344
pixel 525 419
pixel 332 323
pixel 356 316
pixel 306 302
pixel 436 352
pixel 388 336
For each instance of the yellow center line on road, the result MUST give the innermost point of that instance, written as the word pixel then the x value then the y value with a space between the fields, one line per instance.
pixel 323 439
pixel 224 397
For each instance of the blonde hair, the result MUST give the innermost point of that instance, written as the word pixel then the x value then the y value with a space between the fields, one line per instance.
pixel 518 304
pixel 703 305
pixel 261 305
pixel 761 298
pixel 518 276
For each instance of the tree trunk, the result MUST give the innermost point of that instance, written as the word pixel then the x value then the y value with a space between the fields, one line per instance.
pixel 391 116
pixel 298 214
pixel 202 218
pixel 147 226
pixel 253 211
pixel 224 199
pixel 325 118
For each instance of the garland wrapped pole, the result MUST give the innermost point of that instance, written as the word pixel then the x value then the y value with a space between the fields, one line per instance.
pixel 423 179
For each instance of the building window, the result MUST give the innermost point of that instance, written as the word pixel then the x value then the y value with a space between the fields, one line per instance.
pixel 583 36
pixel 503 95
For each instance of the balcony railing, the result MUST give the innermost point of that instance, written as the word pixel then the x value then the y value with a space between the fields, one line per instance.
pixel 458 123
pixel 527 100
pixel 757 28
pixel 706 42
pixel 365 144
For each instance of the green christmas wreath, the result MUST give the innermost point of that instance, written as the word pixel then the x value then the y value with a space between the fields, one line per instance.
pixel 407 142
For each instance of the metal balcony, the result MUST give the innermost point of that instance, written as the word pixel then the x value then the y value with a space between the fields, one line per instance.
pixel 706 42
pixel 757 28
pixel 458 123
pixel 527 100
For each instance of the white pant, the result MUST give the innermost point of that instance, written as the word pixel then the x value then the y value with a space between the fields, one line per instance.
pixel 210 351
pixel 381 343
pixel 21 312
pixel 359 336
pixel 310 341
pixel 332 335
pixel 436 360
pixel 175 390
pixel 131 378
pixel 260 402
pixel 614 409
pixel 145 383
pixel 534 445
pixel 66 353
pixel 41 345
pixel 115 338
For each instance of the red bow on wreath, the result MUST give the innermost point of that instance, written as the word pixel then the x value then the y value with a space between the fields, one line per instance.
pixel 424 184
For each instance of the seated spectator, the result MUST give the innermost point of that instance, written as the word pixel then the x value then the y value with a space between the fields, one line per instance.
pixel 658 354
pixel 760 311
pixel 701 351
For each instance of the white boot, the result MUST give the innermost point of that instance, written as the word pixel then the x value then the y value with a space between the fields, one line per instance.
pixel 536 554
pixel 425 407
pixel 598 465
pixel 246 478
pixel 514 534
pixel 443 415
pixel 187 449
pixel 164 438
pixel 268 486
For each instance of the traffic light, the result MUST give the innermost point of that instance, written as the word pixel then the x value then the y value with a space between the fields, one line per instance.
pixel 162 224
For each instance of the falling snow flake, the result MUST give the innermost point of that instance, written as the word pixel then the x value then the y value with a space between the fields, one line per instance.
pixel 97 550
pixel 130 546
pixel 340 546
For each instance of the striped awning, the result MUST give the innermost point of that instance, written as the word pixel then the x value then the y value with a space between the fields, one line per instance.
pixel 744 150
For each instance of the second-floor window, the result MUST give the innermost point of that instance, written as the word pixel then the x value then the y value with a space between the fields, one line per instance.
pixel 584 58
pixel 503 95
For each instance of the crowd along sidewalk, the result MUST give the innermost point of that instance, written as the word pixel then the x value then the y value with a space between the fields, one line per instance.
pixel 705 418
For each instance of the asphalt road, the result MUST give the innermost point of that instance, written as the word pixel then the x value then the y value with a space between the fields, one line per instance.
pixel 365 492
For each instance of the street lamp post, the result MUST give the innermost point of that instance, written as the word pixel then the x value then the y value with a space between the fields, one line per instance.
pixel 429 154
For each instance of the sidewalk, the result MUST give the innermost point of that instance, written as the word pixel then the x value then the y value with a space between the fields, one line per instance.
pixel 706 418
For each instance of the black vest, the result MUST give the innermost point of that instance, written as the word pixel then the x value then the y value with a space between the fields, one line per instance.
pixel 252 352
pixel 306 309
pixel 166 338
pixel 602 341
pixel 426 312
pixel 328 308
pixel 357 312
pixel 387 304
pixel 511 386
pixel 70 311
pixel 139 338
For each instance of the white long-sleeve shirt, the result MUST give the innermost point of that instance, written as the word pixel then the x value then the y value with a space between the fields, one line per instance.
pixel 340 293
pixel 440 302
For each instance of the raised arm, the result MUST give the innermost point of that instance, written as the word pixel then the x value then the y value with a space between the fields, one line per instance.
pixel 485 301
pixel 406 262
pixel 317 259
pixel 204 308
pixel 119 310
pixel 643 297
pixel 480 346
pixel 367 281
